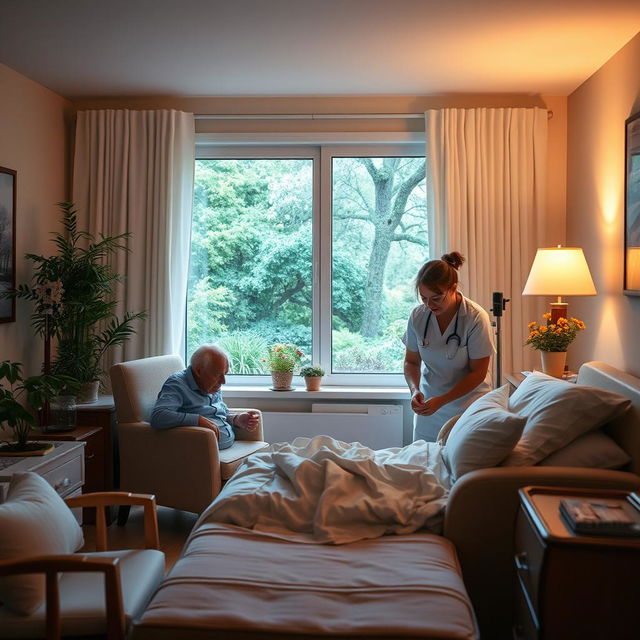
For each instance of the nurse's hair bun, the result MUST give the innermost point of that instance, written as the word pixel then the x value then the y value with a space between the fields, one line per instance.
pixel 454 259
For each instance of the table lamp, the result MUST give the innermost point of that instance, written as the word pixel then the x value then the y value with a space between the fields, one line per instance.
pixel 559 271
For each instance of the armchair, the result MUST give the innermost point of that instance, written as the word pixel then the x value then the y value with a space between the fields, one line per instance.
pixel 182 467
pixel 85 594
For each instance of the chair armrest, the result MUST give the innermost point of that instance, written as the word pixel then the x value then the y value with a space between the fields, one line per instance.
pixel 242 434
pixel 52 565
pixel 480 520
pixel 180 466
pixel 103 499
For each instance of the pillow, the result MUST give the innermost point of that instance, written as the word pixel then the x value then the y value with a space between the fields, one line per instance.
pixel 557 413
pixel 444 432
pixel 484 434
pixel 34 520
pixel 594 450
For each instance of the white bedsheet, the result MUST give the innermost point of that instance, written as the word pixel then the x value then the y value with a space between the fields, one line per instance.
pixel 333 492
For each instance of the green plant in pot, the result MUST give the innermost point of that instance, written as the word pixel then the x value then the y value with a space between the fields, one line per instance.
pixel 83 321
pixel 20 400
pixel 312 375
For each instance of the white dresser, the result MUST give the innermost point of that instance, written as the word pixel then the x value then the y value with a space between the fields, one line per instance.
pixel 63 468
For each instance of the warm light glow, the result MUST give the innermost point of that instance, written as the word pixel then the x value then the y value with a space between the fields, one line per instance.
pixel 559 271
pixel 633 269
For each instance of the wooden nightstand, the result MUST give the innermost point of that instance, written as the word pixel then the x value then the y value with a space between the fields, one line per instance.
pixel 572 586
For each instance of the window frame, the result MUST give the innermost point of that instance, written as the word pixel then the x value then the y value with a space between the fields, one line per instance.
pixel 322 156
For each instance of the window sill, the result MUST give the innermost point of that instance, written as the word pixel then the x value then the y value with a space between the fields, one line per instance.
pixel 325 393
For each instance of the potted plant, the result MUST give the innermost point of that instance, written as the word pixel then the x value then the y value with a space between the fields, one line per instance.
pixel 282 360
pixel 20 399
pixel 74 303
pixel 553 340
pixel 312 375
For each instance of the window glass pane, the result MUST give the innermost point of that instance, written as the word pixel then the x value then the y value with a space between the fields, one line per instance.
pixel 251 266
pixel 379 242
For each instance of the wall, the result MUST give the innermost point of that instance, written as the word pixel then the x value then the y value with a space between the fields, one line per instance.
pixel 33 142
pixel 597 111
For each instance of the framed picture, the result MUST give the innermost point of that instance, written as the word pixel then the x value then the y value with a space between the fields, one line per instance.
pixel 632 207
pixel 7 242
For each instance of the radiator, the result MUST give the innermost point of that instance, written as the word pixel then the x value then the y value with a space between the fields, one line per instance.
pixel 375 425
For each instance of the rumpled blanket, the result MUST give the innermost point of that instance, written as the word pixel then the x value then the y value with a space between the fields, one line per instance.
pixel 335 492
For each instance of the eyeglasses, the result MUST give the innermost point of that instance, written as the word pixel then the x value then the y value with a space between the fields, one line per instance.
pixel 434 299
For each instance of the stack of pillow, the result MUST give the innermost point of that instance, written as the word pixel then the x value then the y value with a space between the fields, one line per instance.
pixel 546 421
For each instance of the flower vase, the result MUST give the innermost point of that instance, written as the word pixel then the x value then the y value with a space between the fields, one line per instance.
pixel 553 362
pixel 281 380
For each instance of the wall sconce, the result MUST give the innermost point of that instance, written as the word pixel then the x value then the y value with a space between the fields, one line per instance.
pixel 559 271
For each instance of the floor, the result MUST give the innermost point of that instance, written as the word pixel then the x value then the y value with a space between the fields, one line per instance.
pixel 174 527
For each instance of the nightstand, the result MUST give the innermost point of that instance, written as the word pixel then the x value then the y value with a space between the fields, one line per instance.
pixel 62 468
pixel 572 586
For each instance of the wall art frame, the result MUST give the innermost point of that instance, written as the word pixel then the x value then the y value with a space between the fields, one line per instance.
pixel 7 242
pixel 632 206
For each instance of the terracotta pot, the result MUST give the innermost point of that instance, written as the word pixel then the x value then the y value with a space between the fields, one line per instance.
pixel 553 362
pixel 313 382
pixel 281 380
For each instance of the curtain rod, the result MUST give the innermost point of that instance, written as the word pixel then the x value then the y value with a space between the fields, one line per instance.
pixel 303 116
pixel 314 116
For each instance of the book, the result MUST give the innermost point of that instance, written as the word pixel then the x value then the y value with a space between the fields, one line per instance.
pixel 596 516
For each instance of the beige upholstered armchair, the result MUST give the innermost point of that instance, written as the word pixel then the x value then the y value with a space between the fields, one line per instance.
pixel 182 467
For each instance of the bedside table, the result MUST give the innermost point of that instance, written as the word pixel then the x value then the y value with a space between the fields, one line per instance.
pixel 62 468
pixel 572 586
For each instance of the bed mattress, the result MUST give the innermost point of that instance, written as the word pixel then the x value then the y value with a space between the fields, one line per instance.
pixel 236 583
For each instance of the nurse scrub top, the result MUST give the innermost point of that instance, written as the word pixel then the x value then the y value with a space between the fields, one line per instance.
pixel 445 364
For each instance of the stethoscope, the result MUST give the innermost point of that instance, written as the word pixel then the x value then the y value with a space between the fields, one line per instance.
pixel 453 341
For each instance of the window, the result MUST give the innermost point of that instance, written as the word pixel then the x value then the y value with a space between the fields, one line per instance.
pixel 316 246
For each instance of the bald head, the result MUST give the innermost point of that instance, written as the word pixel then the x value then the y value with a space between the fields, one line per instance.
pixel 209 365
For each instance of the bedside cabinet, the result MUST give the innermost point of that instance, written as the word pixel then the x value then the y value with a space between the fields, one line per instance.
pixel 62 468
pixel 572 586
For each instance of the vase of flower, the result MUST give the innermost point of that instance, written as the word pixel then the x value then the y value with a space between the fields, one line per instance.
pixel 552 340
pixel 282 360
pixel 553 362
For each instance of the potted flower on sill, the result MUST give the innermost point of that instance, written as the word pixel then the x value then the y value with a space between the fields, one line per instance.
pixel 282 360
pixel 312 375
pixel 20 399
pixel 553 340
pixel 82 315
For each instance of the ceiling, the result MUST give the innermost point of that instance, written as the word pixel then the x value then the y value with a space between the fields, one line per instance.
pixel 107 48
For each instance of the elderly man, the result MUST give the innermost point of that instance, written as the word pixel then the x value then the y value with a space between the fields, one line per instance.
pixel 192 397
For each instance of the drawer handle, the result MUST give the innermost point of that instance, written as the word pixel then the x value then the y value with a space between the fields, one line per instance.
pixel 63 484
pixel 522 561
pixel 90 456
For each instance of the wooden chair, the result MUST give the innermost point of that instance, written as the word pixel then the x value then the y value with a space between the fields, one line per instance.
pixel 100 593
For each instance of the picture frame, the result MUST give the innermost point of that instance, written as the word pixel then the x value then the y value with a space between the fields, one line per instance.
pixel 632 207
pixel 7 242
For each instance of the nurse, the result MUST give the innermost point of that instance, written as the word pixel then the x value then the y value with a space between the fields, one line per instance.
pixel 449 344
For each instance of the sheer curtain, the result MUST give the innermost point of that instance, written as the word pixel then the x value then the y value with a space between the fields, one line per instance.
pixel 133 171
pixel 486 177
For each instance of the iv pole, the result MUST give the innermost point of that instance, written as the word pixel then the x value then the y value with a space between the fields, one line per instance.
pixel 499 305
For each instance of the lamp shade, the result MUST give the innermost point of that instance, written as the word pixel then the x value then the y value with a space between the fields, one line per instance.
pixel 559 271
